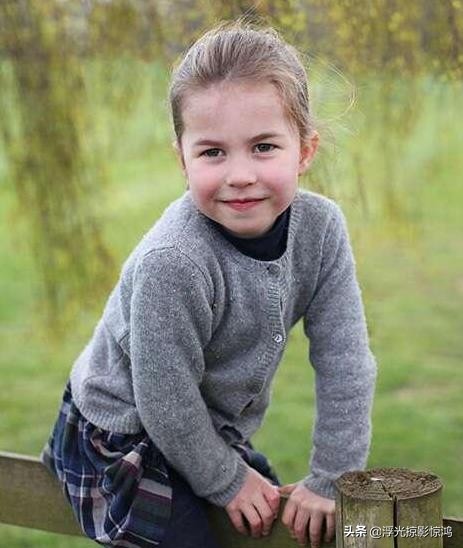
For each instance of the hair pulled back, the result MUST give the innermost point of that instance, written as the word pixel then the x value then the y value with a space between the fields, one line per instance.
pixel 239 52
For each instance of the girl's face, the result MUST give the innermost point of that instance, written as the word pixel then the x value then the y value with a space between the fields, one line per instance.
pixel 241 156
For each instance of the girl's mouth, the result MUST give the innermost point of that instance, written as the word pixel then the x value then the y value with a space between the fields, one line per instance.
pixel 242 205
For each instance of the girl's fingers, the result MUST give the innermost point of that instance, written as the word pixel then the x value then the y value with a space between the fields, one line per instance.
pixel 301 521
pixel 272 496
pixel 287 489
pixel 254 520
pixel 236 518
pixel 288 514
pixel 266 513
pixel 315 529
pixel 330 527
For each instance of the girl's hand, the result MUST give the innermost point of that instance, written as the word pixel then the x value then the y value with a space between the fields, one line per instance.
pixel 257 501
pixel 305 510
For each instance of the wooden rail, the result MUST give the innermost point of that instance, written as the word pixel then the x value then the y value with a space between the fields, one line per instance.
pixel 31 497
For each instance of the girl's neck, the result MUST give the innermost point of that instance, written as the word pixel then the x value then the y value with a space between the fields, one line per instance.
pixel 268 247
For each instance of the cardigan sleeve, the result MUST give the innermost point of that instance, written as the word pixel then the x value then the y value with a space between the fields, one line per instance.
pixel 345 369
pixel 171 319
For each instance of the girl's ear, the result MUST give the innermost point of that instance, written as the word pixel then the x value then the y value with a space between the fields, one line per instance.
pixel 308 149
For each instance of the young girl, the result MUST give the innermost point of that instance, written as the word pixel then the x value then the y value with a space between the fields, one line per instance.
pixel 161 404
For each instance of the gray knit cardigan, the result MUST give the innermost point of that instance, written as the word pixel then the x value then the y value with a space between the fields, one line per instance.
pixel 194 330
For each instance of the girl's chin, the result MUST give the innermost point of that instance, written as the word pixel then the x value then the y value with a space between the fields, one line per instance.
pixel 246 233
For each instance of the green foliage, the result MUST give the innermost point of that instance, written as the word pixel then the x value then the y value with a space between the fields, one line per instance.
pixel 55 174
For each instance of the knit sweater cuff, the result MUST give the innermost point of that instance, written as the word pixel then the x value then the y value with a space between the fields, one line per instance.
pixel 222 498
pixel 321 486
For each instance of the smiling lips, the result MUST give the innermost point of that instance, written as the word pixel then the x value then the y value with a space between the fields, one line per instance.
pixel 242 205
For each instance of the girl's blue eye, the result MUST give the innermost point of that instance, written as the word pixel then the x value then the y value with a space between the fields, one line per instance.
pixel 265 145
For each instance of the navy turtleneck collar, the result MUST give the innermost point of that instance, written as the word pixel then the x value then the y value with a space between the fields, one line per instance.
pixel 269 246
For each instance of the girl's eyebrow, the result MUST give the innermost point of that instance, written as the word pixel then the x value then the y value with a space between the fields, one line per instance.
pixel 261 136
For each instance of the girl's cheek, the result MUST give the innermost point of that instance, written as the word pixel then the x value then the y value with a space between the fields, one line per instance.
pixel 203 172
pixel 204 191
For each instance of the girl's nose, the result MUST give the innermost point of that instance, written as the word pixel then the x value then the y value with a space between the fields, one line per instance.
pixel 240 174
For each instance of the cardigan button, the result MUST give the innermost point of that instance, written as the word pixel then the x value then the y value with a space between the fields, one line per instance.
pixel 274 269
pixel 278 338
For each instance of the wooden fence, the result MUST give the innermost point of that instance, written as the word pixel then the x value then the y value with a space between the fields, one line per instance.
pixel 31 497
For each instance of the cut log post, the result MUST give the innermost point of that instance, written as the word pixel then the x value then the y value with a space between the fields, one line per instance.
pixel 389 508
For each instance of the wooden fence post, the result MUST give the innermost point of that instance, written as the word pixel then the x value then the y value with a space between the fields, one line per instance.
pixel 389 508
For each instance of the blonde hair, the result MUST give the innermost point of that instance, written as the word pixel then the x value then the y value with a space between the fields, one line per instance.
pixel 238 51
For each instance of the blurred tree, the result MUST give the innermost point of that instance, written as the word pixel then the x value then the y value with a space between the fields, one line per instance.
pixel 55 175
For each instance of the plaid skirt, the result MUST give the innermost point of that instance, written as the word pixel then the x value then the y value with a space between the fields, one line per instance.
pixel 118 484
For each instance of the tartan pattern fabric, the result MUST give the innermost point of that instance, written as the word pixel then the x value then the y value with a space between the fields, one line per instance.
pixel 118 484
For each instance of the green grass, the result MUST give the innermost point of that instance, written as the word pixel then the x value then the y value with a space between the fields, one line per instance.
pixel 410 272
